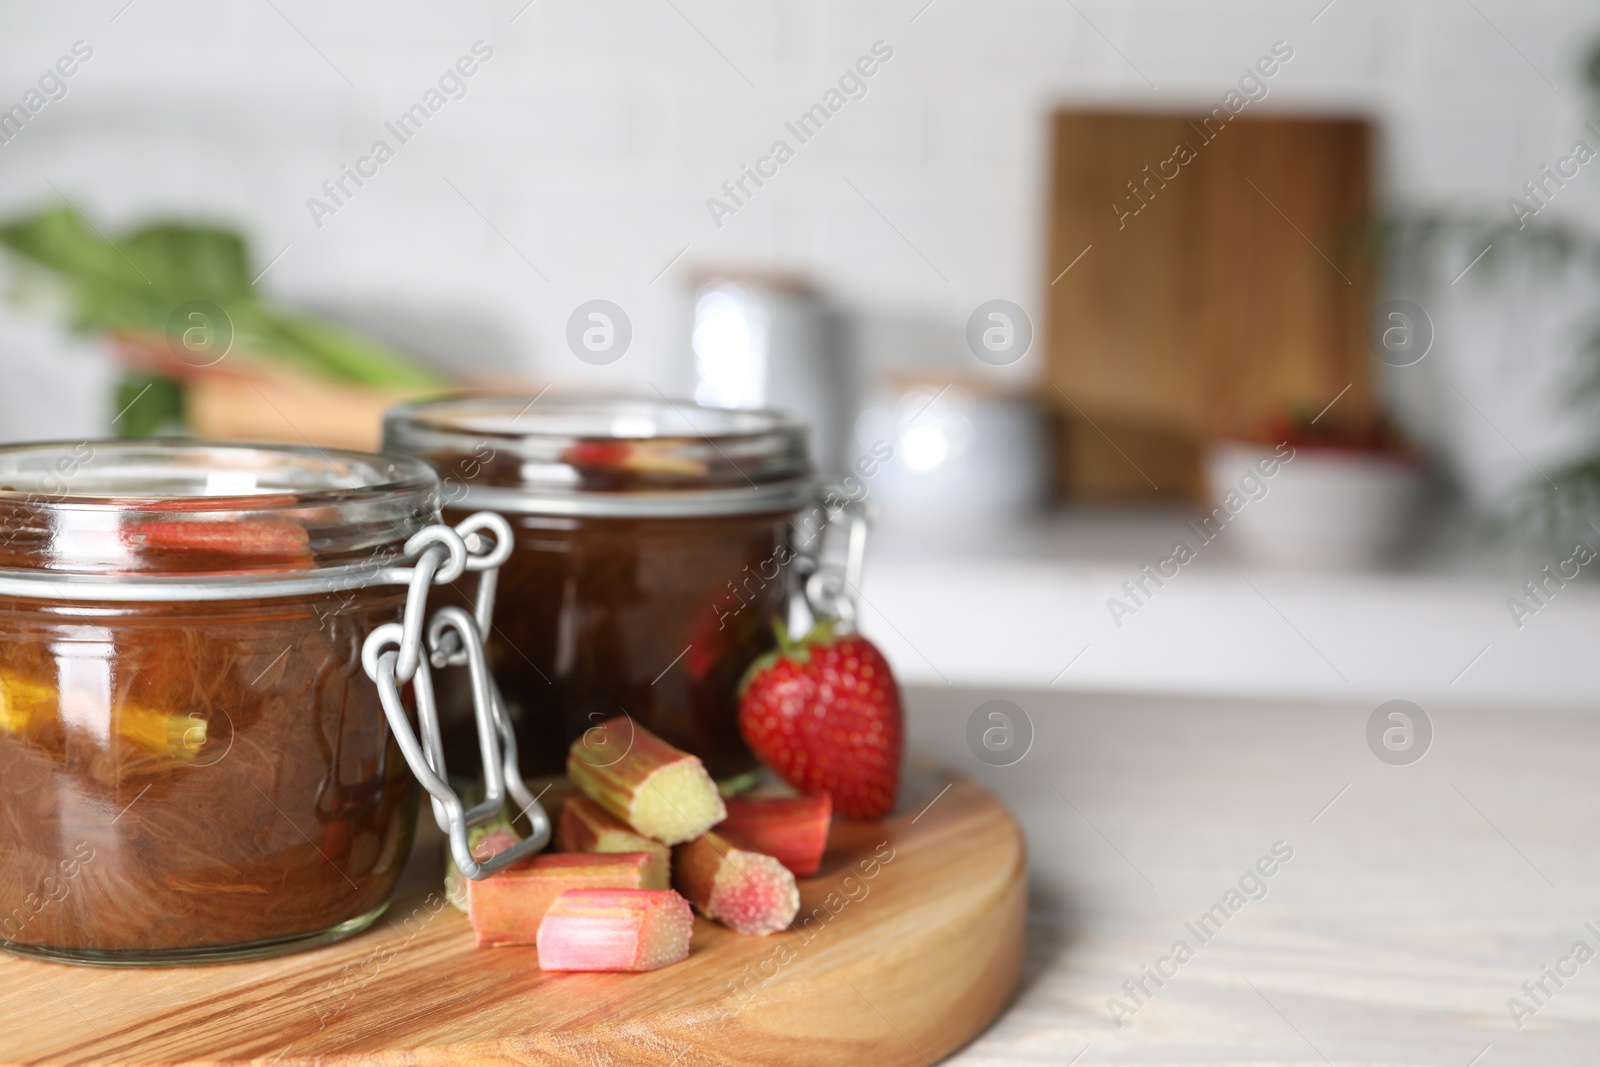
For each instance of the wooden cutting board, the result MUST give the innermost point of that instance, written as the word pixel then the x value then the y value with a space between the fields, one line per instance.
pixel 909 941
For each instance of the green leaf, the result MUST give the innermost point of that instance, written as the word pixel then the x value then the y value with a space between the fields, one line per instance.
pixel 149 405
pixel 137 282
pixel 344 354
pixel 202 261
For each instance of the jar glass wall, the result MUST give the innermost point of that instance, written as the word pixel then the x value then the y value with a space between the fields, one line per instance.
pixel 188 779
pixel 653 546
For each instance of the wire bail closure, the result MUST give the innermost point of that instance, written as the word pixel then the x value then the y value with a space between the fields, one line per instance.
pixel 832 585
pixel 393 656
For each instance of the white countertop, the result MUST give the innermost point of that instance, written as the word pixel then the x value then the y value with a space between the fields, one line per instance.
pixel 1027 608
pixel 1418 898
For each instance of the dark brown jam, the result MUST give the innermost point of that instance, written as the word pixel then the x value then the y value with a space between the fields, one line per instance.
pixel 201 779
pixel 657 618
pixel 653 552
pixel 211 789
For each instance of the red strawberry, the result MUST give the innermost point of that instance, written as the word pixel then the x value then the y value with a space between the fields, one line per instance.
pixel 824 713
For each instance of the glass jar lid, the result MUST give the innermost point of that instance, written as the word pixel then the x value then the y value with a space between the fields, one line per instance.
pixel 121 513
pixel 607 457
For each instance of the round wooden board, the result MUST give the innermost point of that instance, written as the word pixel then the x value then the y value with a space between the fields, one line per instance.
pixel 909 941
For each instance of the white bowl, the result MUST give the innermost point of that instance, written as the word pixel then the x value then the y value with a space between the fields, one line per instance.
pixel 1317 507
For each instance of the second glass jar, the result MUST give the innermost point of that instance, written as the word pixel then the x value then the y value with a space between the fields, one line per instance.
pixel 653 547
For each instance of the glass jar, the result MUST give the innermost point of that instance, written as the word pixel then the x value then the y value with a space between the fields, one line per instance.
pixel 653 541
pixel 193 764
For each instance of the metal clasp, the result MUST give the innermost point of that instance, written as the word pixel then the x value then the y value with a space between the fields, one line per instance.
pixel 392 656
pixel 832 584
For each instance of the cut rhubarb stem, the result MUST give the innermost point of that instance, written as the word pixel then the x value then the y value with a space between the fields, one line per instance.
pixel 26 705
pixel 506 907
pixel 484 842
pixel 792 830
pixel 586 827
pixel 23 702
pixel 281 538
pixel 615 930
pixel 634 457
pixel 727 880
pixel 661 792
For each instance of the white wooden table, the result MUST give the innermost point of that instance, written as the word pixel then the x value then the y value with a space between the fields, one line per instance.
pixel 1418 900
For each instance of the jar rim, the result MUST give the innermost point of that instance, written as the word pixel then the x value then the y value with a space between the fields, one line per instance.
pixel 583 417
pixel 178 511
pixel 323 476
pixel 606 456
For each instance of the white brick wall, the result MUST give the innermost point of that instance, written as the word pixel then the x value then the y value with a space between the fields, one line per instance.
pixel 594 136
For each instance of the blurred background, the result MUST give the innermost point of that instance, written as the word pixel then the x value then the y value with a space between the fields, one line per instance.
pixel 1225 348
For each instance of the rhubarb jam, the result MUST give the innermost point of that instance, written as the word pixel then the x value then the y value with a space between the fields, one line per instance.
pixel 193 763
pixel 653 549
